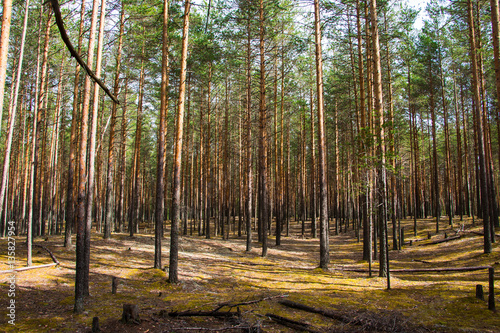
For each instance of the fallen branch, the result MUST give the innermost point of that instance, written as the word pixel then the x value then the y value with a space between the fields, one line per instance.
pixel 423 270
pixel 296 325
pixel 204 314
pixel 50 253
pixel 28 268
pixel 442 240
pixel 478 233
pixel 307 308
pixel 74 53
pixel 232 305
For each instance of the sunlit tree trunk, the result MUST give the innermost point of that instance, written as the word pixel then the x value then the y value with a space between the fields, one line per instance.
pixel 4 50
pixel 176 189
pixel 13 112
pixel 82 265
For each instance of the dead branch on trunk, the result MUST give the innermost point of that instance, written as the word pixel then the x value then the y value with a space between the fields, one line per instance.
pixel 74 53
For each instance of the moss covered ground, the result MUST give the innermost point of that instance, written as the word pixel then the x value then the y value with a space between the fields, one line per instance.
pixel 215 271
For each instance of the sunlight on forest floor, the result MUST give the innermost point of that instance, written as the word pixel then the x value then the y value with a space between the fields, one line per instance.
pixel 214 271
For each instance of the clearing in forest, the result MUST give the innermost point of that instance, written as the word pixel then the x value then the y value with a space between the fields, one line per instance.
pixel 218 276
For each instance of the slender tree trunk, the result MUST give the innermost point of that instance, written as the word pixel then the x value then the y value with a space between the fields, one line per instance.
pixel 82 265
pixel 12 117
pixel 249 155
pixel 263 176
pixel 4 50
pixel 108 224
pixel 70 193
pixel 92 146
pixel 162 133
pixel 381 163
pixel 136 163
pixel 323 197
pixel 479 131
pixel 176 196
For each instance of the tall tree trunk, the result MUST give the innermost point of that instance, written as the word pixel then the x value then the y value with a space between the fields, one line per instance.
pixel 108 224
pixel 12 117
pixel 136 162
pixel 249 155
pixel 176 195
pixel 4 50
pixel 82 265
pixel 70 193
pixel 479 131
pixel 323 196
pixel 92 145
pixel 162 133
pixel 264 191
pixel 381 163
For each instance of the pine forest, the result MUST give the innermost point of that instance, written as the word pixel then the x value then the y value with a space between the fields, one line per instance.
pixel 249 165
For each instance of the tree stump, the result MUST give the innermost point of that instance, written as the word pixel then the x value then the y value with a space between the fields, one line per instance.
pixel 130 314
pixel 479 292
pixel 114 284
pixel 95 325
pixel 491 297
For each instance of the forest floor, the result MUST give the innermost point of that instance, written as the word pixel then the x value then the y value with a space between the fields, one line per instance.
pixel 216 273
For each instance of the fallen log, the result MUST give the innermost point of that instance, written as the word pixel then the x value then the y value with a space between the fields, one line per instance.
pixel 233 305
pixel 50 252
pixel 442 240
pixel 423 270
pixel 307 308
pixel 296 325
pixel 215 314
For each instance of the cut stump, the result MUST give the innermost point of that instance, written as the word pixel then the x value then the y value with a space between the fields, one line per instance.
pixel 130 314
